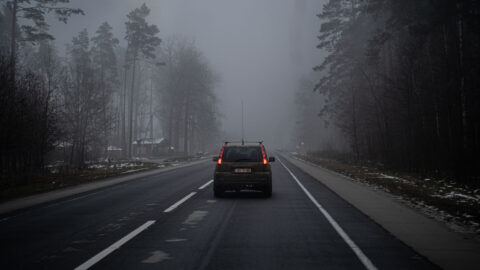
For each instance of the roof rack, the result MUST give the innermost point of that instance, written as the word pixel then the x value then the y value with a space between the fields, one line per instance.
pixel 243 142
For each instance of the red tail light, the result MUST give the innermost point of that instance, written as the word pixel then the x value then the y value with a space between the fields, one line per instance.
pixel 264 156
pixel 221 155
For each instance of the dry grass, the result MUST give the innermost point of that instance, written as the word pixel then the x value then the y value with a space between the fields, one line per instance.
pixel 60 177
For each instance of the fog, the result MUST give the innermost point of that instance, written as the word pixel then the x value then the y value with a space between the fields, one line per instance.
pixel 259 49
pixel 114 116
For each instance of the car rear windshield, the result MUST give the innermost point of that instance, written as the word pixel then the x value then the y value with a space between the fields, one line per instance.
pixel 242 154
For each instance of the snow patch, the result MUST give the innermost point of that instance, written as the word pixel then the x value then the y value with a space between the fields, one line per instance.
pixel 129 171
pixel 454 194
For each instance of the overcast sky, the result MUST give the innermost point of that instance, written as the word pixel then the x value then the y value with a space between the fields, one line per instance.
pixel 259 48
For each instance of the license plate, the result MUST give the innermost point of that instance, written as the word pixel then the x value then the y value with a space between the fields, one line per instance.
pixel 243 170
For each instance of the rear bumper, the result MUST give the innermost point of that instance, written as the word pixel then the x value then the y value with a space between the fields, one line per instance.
pixel 231 181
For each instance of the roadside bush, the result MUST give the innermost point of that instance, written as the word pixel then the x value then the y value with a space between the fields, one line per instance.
pixel 27 124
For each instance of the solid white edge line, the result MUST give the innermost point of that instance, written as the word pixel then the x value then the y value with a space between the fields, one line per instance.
pixel 361 256
pixel 114 246
pixel 175 205
pixel 206 184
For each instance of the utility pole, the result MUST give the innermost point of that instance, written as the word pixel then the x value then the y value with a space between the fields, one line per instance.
pixel 243 125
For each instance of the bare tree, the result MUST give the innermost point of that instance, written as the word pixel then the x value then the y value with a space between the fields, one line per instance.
pixel 187 97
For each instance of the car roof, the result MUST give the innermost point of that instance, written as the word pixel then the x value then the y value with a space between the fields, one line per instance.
pixel 244 144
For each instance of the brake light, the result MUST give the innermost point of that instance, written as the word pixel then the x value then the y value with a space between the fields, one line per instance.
pixel 264 156
pixel 221 155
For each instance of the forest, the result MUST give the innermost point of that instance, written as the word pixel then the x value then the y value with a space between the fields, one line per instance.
pixel 99 96
pixel 401 82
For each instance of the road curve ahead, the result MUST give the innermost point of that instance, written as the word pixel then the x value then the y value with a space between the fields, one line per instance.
pixel 172 221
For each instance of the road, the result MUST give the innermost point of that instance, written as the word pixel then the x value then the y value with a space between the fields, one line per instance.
pixel 172 221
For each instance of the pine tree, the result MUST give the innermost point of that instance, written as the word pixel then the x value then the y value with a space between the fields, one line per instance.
pixel 142 41
pixel 105 61
pixel 35 11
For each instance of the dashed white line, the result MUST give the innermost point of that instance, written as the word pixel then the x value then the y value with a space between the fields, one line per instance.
pixel 95 259
pixel 206 184
pixel 114 246
pixel 361 256
pixel 175 205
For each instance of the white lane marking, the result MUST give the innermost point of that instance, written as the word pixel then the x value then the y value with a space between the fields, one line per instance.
pixel 361 256
pixel 206 184
pixel 175 205
pixel 114 246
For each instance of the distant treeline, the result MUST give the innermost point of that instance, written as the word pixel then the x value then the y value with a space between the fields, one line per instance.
pixel 99 96
pixel 402 81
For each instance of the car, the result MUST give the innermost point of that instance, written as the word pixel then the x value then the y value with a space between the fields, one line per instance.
pixel 242 166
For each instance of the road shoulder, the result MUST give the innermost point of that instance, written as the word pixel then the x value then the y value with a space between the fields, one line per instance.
pixel 448 249
pixel 29 201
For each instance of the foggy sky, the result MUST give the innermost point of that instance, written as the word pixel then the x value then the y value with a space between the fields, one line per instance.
pixel 259 48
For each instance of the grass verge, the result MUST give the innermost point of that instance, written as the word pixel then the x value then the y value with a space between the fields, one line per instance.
pixel 455 204
pixel 60 177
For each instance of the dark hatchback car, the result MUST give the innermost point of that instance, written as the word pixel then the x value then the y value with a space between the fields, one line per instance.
pixel 242 166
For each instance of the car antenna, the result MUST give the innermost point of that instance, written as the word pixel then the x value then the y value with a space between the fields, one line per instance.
pixel 243 125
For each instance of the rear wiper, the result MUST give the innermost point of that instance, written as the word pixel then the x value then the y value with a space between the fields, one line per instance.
pixel 242 159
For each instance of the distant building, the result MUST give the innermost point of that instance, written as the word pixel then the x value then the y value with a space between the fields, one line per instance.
pixel 150 146
pixel 114 152
pixel 61 151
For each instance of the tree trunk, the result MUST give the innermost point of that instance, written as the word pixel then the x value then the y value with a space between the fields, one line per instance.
pixel 124 104
pixel 170 128
pixel 130 133
pixel 104 104
pixel 463 97
pixel 354 127
pixel 192 135
pixel 13 41
pixel 176 131
pixel 185 131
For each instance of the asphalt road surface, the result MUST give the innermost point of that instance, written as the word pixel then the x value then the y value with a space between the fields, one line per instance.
pixel 172 221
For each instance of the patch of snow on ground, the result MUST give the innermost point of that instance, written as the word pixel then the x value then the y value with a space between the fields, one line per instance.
pixel 126 165
pixel 386 176
pixel 454 194
pixel 129 171
pixel 96 166
pixel 381 175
